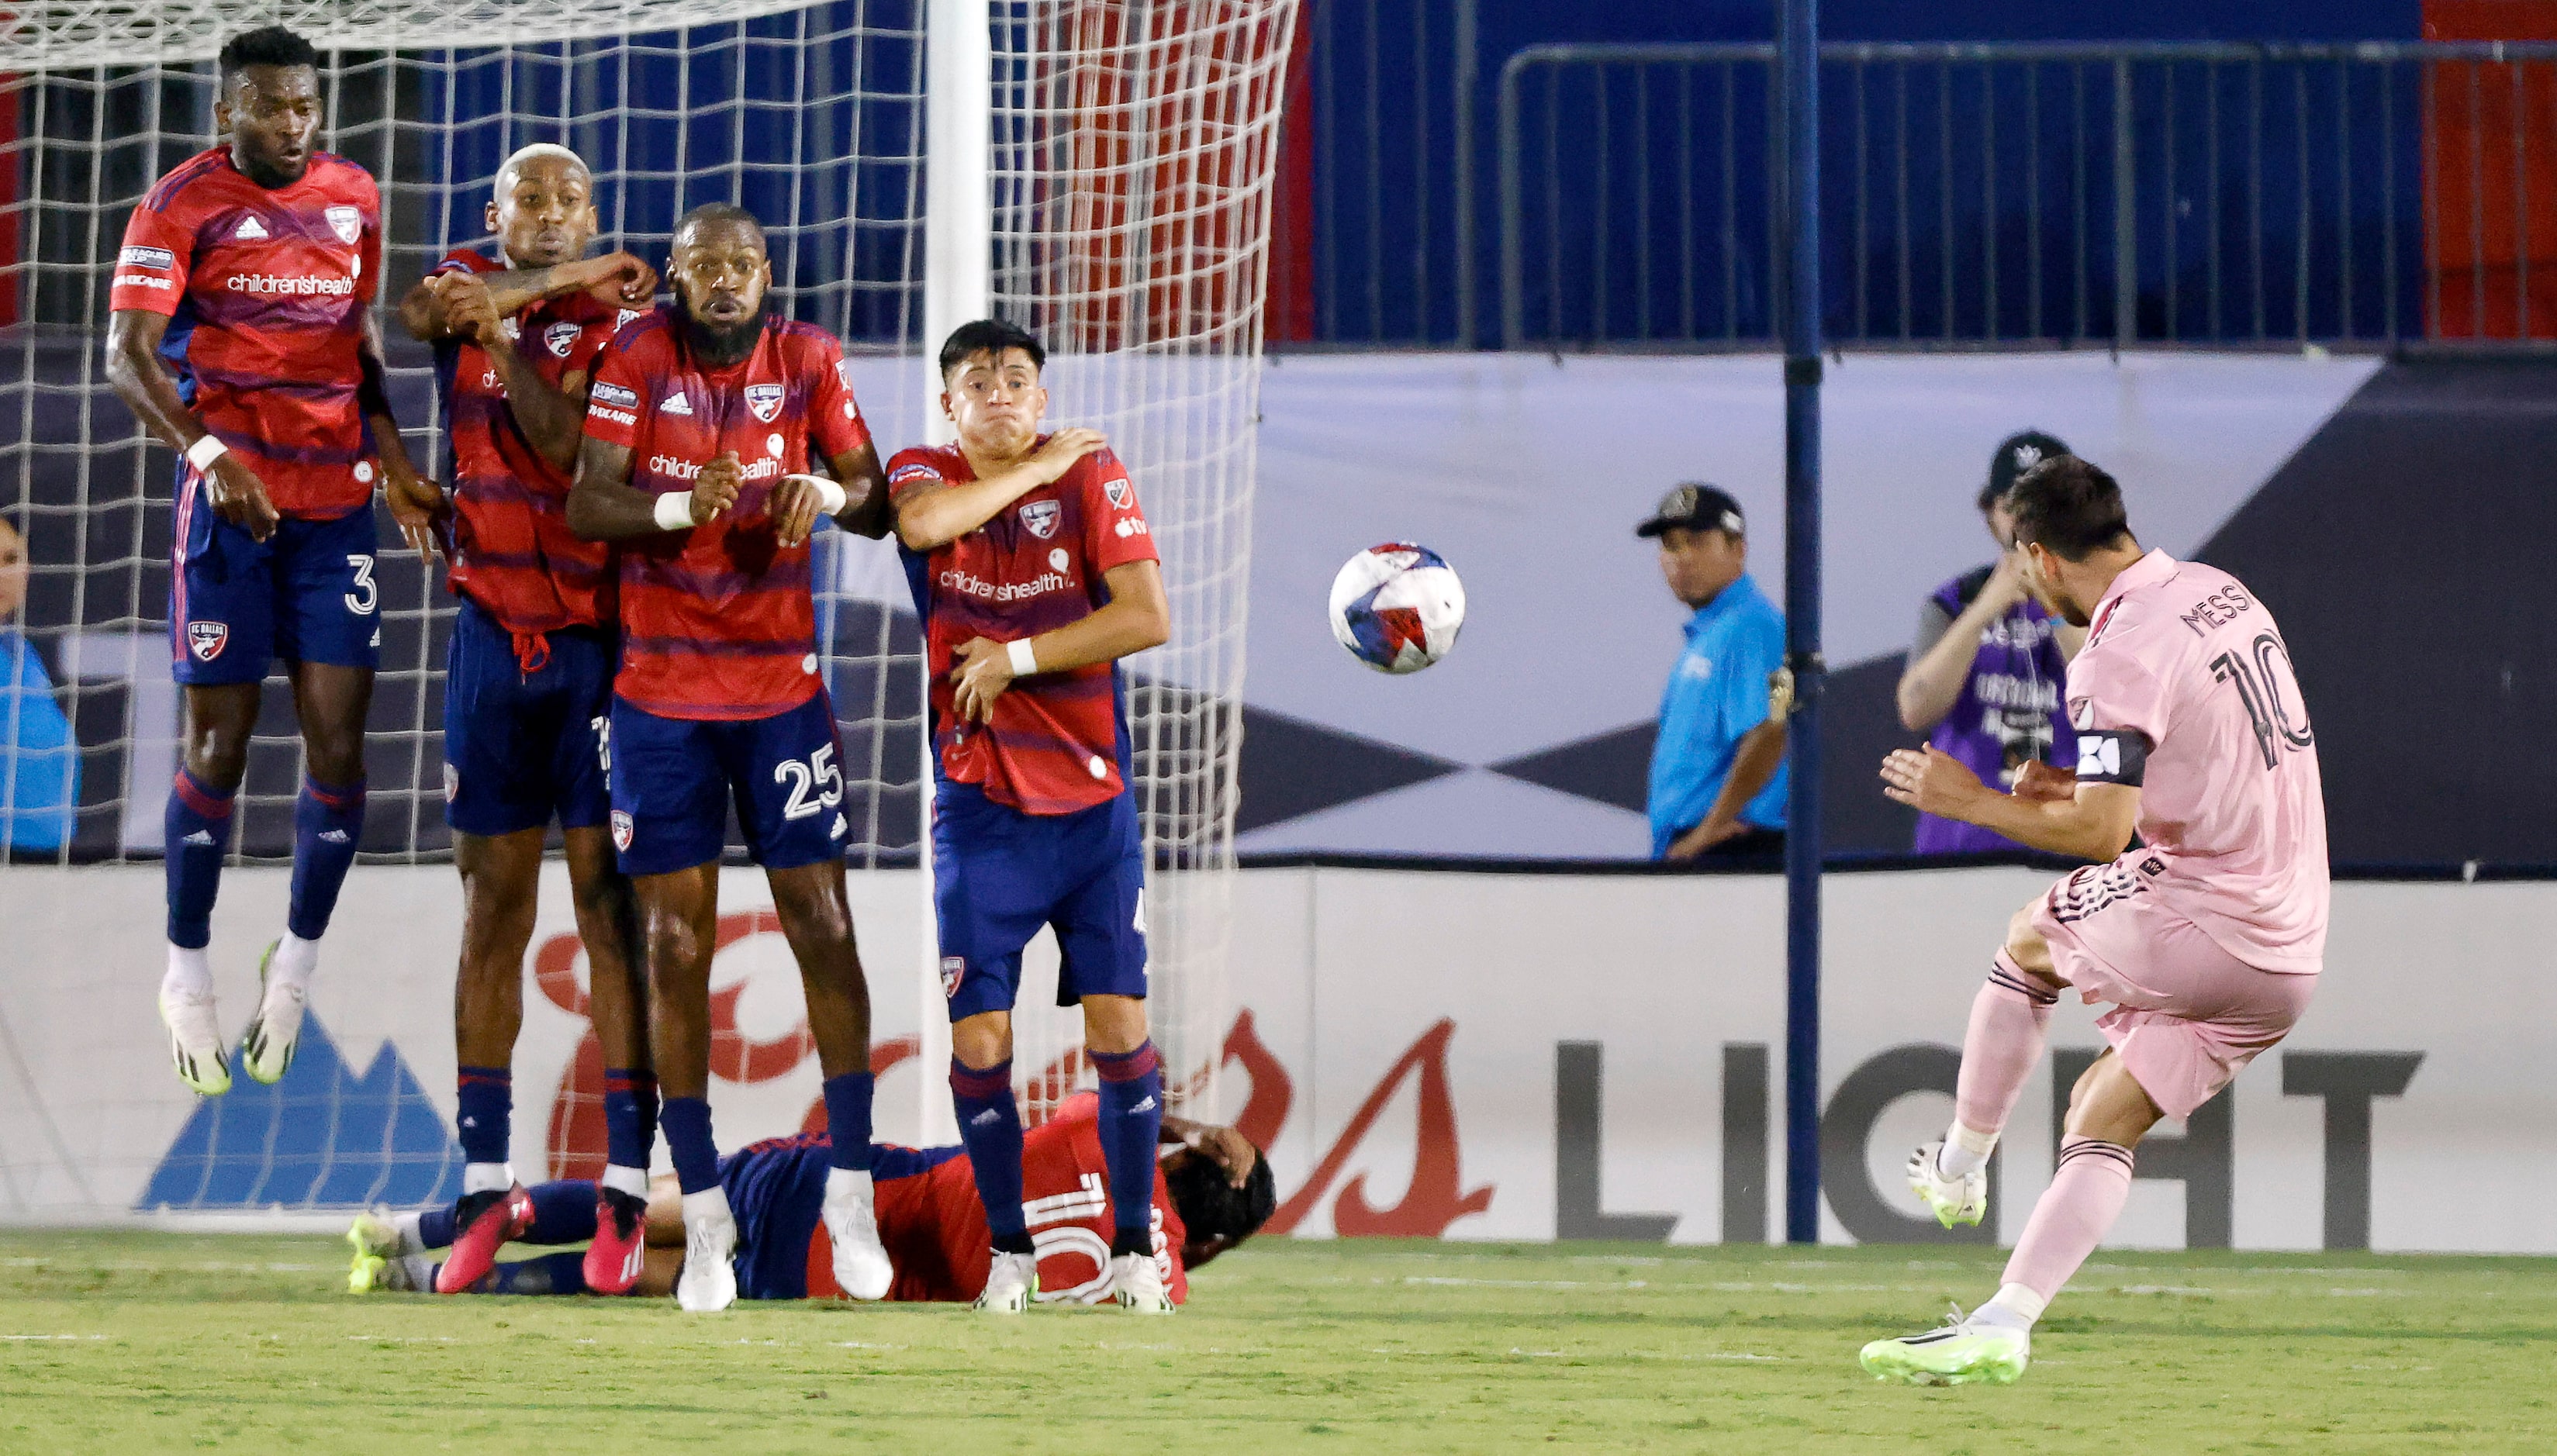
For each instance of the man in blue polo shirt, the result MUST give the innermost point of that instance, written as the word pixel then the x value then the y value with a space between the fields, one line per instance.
pixel 1717 788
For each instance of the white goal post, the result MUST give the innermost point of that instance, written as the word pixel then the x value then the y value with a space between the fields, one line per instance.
pixel 1099 171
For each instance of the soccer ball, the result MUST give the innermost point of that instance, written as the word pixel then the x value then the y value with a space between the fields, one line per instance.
pixel 1398 606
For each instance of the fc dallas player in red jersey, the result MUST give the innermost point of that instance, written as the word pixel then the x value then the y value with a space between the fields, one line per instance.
pixel 243 339
pixel 528 678
pixel 701 421
pixel 1211 1193
pixel 1034 572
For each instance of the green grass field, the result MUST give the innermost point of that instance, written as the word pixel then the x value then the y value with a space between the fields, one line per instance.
pixel 145 1342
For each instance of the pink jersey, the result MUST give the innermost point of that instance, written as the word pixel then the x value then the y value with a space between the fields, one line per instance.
pixel 2184 689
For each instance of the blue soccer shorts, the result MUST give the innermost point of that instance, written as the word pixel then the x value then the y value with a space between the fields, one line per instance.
pixel 305 594
pixel 674 779
pixel 776 1191
pixel 999 874
pixel 521 748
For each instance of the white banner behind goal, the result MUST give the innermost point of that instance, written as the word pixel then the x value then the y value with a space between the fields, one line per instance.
pixel 1133 147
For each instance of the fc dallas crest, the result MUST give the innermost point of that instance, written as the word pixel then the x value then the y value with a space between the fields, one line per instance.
pixel 345 221
pixel 560 338
pixel 621 829
pixel 765 400
pixel 1040 516
pixel 205 640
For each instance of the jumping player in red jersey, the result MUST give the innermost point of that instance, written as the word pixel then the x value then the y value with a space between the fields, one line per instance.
pixel 2207 939
pixel 702 421
pixel 1210 1193
pixel 241 336
pixel 1034 572
pixel 528 679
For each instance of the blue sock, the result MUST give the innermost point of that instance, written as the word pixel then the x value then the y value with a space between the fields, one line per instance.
pixel 435 1227
pixel 551 1273
pixel 195 831
pixel 847 1121
pixel 563 1212
pixel 989 1124
pixel 1131 1124
pixel 328 828
pixel 686 1120
pixel 629 1118
pixel 487 1103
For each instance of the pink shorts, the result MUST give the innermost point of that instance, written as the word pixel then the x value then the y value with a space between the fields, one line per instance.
pixel 2187 1014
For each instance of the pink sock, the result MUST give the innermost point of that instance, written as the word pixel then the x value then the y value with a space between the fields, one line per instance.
pixel 2076 1211
pixel 2010 1020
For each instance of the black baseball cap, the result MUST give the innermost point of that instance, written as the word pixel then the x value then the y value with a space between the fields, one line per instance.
pixel 2016 454
pixel 1696 507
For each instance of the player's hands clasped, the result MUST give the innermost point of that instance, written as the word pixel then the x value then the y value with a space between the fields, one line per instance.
pixel 1051 461
pixel 794 508
pixel 238 496
pixel 469 310
pixel 622 279
pixel 416 504
pixel 985 670
pixel 1930 781
pixel 715 491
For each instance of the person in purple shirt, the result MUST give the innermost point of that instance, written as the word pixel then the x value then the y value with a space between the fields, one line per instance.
pixel 1984 676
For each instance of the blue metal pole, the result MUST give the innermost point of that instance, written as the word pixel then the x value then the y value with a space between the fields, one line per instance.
pixel 1800 53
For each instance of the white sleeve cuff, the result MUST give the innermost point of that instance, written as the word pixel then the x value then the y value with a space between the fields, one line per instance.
pixel 1024 661
pixel 675 512
pixel 205 451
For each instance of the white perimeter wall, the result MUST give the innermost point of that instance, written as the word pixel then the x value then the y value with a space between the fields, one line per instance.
pixel 1469 981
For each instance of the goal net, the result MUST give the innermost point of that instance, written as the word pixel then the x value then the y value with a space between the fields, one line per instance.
pixel 1134 143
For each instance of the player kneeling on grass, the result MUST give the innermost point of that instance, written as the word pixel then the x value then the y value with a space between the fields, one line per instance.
pixel 702 419
pixel 1211 1193
pixel 516 329
pixel 2207 940
pixel 1034 573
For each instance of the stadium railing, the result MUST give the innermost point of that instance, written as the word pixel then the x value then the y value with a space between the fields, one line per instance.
pixel 1995 196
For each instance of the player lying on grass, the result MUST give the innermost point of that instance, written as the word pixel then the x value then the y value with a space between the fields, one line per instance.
pixel 516 325
pixel 1210 1193
pixel 1034 573
pixel 2207 940
pixel 703 419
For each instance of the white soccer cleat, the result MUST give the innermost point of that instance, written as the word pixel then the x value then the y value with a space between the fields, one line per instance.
pixel 1962 1200
pixel 709 1281
pixel 861 1267
pixel 1961 1353
pixel 266 1048
pixel 196 1042
pixel 1137 1285
pixel 1012 1282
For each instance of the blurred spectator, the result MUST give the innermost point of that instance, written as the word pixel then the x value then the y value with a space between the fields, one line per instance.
pixel 1984 676
pixel 39 762
pixel 1718 785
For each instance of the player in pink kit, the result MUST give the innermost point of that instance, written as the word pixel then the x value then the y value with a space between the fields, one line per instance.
pixel 2206 941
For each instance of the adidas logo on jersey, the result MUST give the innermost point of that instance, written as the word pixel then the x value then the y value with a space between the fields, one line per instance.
pixel 675 403
pixel 249 230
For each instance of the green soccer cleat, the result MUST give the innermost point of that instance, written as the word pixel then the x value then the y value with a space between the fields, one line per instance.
pixel 1011 1284
pixel 266 1048
pixel 386 1258
pixel 1958 1354
pixel 1962 1200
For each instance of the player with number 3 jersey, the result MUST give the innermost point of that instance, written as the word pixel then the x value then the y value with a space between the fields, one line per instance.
pixel 701 424
pixel 2205 939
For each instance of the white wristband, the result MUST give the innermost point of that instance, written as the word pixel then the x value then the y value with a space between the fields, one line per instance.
pixel 675 512
pixel 205 451
pixel 830 496
pixel 1024 661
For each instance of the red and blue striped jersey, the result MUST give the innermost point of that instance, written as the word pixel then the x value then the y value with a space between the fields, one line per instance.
pixel 717 622
pixel 1054 744
pixel 265 293
pixel 512 551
